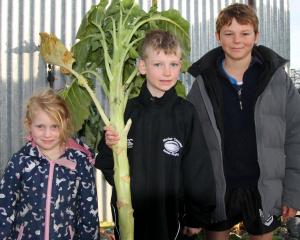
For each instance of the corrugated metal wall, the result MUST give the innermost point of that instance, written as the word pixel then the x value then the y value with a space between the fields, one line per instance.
pixel 22 71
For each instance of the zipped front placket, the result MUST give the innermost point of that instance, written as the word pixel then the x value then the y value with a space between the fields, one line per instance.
pixel 239 92
pixel 48 200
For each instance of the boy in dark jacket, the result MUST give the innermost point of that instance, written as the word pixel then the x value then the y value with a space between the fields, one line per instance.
pixel 249 109
pixel 167 166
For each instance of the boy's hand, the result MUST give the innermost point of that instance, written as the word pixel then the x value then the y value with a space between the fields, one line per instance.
pixel 288 212
pixel 189 231
pixel 111 136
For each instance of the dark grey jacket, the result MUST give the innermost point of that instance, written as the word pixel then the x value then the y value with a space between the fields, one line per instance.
pixel 277 124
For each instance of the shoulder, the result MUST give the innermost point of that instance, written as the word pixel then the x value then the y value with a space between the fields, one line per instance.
pixel 23 157
pixel 184 109
pixel 205 62
pixel 184 104
pixel 132 103
pixel 269 56
pixel 27 150
pixel 81 150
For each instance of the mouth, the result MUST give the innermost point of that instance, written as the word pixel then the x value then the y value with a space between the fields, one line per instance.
pixel 166 81
pixel 47 141
pixel 237 49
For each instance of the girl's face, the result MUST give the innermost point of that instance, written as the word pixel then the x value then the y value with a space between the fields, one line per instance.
pixel 46 133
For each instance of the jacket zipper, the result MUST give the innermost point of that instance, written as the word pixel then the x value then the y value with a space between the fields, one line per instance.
pixel 48 201
pixel 239 92
pixel 20 235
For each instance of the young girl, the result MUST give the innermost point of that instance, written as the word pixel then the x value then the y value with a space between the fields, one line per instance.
pixel 48 189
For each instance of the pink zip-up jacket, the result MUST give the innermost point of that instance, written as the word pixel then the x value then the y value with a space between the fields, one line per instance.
pixel 42 199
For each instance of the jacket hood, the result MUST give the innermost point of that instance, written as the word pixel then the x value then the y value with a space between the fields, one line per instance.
pixel 265 54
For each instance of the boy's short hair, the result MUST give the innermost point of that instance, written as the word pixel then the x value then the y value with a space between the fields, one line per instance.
pixel 160 40
pixel 56 108
pixel 244 14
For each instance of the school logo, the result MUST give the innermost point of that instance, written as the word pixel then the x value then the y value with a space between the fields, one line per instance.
pixel 172 146
pixel 129 143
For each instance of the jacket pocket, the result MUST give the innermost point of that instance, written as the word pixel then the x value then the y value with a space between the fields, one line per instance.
pixel 20 234
pixel 71 232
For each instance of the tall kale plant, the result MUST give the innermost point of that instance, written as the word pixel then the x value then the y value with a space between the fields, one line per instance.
pixel 106 51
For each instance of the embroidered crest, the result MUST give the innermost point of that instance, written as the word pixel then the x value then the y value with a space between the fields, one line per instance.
pixel 129 143
pixel 172 146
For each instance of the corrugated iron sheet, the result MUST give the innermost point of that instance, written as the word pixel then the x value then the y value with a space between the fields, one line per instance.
pixel 22 72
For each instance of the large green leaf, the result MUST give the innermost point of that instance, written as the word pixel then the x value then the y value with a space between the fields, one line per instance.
pixel 96 14
pixel 106 51
pixel 85 27
pixel 92 128
pixel 180 89
pixel 117 19
pixel 78 101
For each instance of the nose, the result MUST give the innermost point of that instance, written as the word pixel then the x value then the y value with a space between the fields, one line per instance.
pixel 47 132
pixel 166 71
pixel 236 38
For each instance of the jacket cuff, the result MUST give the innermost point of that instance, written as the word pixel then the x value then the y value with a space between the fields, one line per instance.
pixel 196 221
pixel 190 221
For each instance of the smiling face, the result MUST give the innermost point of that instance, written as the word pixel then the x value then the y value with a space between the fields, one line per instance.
pixel 237 40
pixel 49 105
pixel 161 69
pixel 46 133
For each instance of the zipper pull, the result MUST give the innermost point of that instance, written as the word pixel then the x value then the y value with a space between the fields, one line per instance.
pixel 240 98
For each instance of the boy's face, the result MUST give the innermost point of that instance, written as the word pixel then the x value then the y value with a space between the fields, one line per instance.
pixel 237 40
pixel 161 70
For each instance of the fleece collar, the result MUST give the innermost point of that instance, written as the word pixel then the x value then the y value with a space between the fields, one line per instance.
pixel 267 56
pixel 146 97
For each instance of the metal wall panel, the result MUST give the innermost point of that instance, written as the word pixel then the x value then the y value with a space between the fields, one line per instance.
pixel 274 17
pixel 22 72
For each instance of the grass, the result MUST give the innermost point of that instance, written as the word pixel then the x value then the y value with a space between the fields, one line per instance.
pixel 238 233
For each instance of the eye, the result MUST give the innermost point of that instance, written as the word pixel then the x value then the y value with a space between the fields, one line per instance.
pixel 157 64
pixel 174 65
pixel 228 34
pixel 54 127
pixel 40 126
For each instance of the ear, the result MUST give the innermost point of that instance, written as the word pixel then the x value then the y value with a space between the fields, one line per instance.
pixel 257 38
pixel 142 66
pixel 218 37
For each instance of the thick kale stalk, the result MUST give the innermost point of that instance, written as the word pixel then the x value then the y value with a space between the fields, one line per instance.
pixel 106 51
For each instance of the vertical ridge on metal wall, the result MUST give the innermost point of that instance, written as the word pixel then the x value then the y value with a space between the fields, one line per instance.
pixel 274 25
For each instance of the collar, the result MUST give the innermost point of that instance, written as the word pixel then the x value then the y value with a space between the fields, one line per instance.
pixel 146 98
pixel 62 161
pixel 254 60
pixel 264 55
